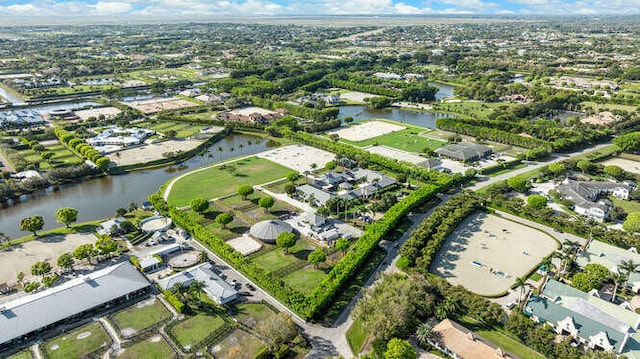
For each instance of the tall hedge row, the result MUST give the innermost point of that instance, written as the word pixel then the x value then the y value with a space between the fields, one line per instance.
pixel 81 148
pixel 423 244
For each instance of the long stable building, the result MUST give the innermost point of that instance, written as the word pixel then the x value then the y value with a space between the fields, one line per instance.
pixel 28 316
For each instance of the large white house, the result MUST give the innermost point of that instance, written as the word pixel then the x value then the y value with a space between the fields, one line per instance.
pixel 596 323
pixel 215 287
pixel 584 195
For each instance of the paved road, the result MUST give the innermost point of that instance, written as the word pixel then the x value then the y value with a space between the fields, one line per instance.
pixel 487 181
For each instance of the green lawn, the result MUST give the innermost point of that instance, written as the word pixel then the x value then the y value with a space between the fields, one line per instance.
pixel 356 337
pixel 501 340
pixel 218 181
pixel 69 345
pixel 506 170
pixel 25 354
pixel 152 348
pixel 609 106
pixel 275 259
pixel 141 315
pixel 408 140
pixel 251 313
pixel 628 206
pixel 238 345
pixel 470 109
pixel 304 280
pixel 193 330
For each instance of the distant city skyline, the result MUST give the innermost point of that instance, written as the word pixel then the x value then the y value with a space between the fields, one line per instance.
pixel 185 8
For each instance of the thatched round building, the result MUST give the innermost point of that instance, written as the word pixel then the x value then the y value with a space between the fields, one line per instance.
pixel 267 231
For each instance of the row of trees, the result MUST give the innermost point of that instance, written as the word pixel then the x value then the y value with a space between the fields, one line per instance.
pixel 423 244
pixel 298 111
pixel 79 146
pixel 64 215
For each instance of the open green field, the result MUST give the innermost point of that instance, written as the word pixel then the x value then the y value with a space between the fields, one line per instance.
pixel 305 279
pixel 469 109
pixel 276 259
pixel 251 314
pixel 356 337
pixel 608 106
pixel 154 347
pixel 234 229
pixel 238 345
pixel 78 343
pixel 192 331
pixel 203 116
pixel 141 315
pixel 182 129
pixel 61 157
pixel 217 181
pixel 25 354
pixel 503 341
pixel 628 206
pixel 408 140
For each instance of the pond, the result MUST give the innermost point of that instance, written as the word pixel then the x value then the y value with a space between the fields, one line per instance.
pixel 99 198
pixel 416 118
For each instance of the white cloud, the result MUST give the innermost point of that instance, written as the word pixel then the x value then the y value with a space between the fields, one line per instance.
pixel 106 8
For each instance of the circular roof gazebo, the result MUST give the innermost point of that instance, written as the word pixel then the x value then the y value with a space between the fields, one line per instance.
pixel 267 231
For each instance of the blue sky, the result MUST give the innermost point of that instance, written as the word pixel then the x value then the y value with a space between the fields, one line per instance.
pixel 184 8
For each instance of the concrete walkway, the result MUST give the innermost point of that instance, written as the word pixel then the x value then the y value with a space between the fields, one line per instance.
pixel 117 342
pixel 35 351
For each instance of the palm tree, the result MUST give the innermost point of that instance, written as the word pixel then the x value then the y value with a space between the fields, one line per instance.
pixel 617 280
pixel 568 249
pixel 446 308
pixel 241 146
pixel 424 334
pixel 196 288
pixel 313 166
pixel 627 268
pixel 180 289
pixel 220 150
pixel 306 174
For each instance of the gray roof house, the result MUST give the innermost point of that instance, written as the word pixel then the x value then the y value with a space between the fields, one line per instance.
pixel 597 323
pixel 215 287
pixel 465 151
pixel 584 194
pixel 610 257
pixel 47 309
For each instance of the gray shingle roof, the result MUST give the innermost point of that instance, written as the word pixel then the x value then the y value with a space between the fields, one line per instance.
pixel 464 151
pixel 33 312
pixel 215 287
pixel 267 231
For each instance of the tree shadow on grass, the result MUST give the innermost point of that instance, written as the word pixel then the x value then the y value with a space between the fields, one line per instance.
pixel 302 254
pixel 84 228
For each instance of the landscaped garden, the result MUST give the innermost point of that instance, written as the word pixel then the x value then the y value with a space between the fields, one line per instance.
pixel 87 341
pixel 140 316
pixel 224 179
pixel 154 347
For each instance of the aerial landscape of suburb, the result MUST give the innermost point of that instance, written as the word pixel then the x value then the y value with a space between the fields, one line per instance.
pixel 288 179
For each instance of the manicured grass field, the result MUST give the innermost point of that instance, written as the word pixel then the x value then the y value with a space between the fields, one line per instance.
pixel 141 315
pixel 276 259
pixel 356 337
pixel 159 74
pixel 25 354
pixel 193 330
pixel 238 345
pixel 304 280
pixel 69 345
pixel 408 140
pixel 628 206
pixel 154 347
pixel 251 313
pixel 218 181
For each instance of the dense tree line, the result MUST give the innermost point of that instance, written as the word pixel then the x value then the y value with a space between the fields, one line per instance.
pixel 423 244
pixel 488 133
pixel 82 148
pixel 298 111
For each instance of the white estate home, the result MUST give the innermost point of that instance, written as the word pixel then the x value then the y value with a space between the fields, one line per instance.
pixel 584 195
